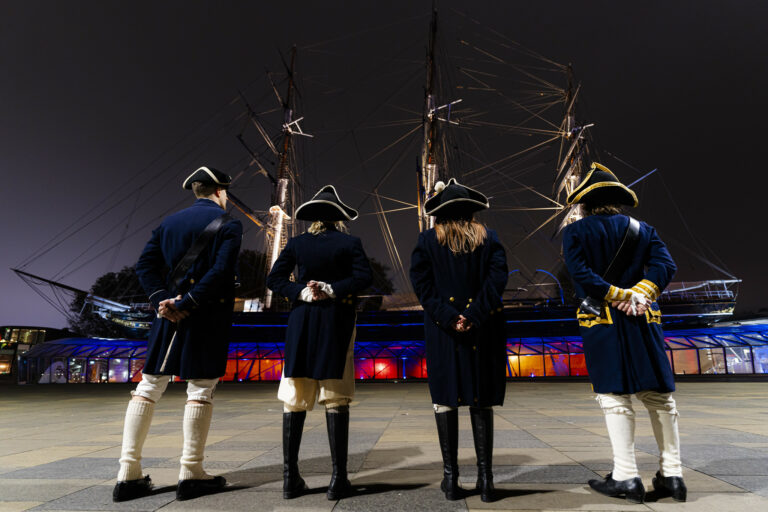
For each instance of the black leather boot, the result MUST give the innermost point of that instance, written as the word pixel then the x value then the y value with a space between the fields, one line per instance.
pixel 293 426
pixel 482 431
pixel 632 489
pixel 448 434
pixel 670 486
pixel 131 489
pixel 338 439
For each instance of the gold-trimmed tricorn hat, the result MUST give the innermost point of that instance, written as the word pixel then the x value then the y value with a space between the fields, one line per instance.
pixel 209 176
pixel 601 186
pixel 326 206
pixel 454 200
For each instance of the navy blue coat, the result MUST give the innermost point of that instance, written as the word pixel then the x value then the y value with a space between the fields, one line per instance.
pixel 202 339
pixel 319 332
pixel 463 368
pixel 624 354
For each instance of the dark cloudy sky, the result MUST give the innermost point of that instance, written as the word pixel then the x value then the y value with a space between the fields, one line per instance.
pixel 100 97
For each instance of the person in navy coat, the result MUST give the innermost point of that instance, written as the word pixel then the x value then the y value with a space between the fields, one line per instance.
pixel 190 336
pixel 459 271
pixel 319 347
pixel 624 346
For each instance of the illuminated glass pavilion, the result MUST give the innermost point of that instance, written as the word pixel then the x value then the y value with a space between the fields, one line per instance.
pixel 727 350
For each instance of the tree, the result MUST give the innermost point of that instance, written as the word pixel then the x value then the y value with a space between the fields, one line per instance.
pixel 123 287
pixel 382 285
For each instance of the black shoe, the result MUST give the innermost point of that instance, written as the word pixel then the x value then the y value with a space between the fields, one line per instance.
pixel 338 440
pixel 132 489
pixel 482 431
pixel 293 426
pixel 631 489
pixel 670 486
pixel 188 489
pixel 448 434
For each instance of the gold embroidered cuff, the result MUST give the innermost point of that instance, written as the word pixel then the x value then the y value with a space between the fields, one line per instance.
pixel 619 294
pixel 647 288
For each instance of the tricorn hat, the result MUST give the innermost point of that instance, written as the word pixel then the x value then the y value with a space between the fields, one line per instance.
pixel 325 206
pixel 209 176
pixel 601 186
pixel 454 200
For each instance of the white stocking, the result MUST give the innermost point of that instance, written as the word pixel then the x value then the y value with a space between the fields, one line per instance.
pixel 138 417
pixel 663 412
pixel 620 420
pixel 197 421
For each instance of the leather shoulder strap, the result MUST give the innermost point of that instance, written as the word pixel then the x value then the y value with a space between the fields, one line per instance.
pixel 200 243
pixel 624 254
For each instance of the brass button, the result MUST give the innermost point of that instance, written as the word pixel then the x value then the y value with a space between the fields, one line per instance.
pixel 498 309
pixel 191 281
pixel 459 400
pixel 349 295
pixel 235 278
pixel 451 299
pixel 466 307
pixel 474 347
pixel 222 301
pixel 491 312
pixel 475 399
pixel 470 301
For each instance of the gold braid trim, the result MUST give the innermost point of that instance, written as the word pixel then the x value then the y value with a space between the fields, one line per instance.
pixel 619 294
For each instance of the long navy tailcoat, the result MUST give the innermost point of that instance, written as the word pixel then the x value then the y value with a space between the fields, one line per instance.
pixel 320 332
pixel 624 354
pixel 199 350
pixel 463 368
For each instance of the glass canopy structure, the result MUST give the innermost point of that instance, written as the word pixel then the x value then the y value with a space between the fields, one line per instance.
pixel 727 350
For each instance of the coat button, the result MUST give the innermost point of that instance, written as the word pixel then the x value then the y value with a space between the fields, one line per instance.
pixel 498 309
pixel 491 312
pixel 475 399
pixel 459 400
pixel 470 301
pixel 474 347
pixel 466 307
pixel 191 281
pixel 222 301
pixel 451 299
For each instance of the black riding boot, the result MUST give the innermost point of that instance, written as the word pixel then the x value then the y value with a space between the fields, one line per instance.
pixel 482 431
pixel 338 439
pixel 448 434
pixel 293 425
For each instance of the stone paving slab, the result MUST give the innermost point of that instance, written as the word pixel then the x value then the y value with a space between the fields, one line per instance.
pixel 59 447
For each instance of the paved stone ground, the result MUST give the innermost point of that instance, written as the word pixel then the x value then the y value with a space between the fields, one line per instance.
pixel 59 447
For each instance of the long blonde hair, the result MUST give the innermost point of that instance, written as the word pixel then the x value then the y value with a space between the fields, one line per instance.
pixel 320 226
pixel 460 235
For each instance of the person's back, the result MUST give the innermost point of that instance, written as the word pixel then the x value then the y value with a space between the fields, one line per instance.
pixel 598 237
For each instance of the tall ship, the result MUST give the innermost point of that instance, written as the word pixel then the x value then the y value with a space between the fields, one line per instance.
pixel 478 107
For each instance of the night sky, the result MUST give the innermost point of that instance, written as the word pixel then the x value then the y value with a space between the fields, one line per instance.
pixel 107 106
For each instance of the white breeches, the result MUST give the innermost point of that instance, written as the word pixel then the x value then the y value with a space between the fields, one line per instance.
pixel 152 388
pixel 620 420
pixel 301 393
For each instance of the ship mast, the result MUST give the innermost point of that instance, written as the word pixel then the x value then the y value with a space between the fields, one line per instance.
pixel 279 220
pixel 571 168
pixel 428 172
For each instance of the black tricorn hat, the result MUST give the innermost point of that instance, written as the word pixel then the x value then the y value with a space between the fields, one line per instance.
pixel 325 206
pixel 601 186
pixel 454 200
pixel 209 176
